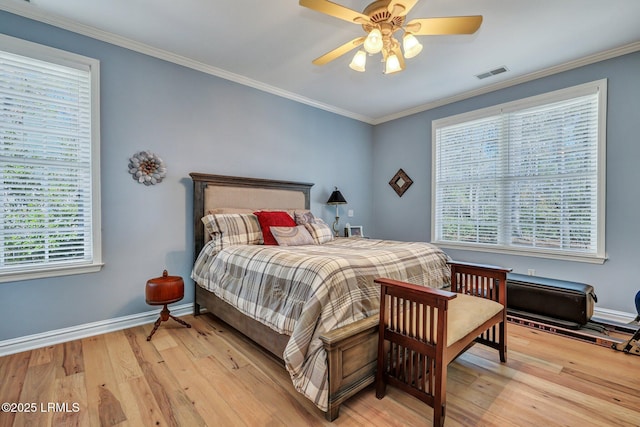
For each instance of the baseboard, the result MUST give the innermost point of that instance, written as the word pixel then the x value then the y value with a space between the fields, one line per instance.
pixel 606 315
pixel 30 342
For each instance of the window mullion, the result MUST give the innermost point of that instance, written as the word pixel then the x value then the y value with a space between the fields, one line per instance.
pixel 506 209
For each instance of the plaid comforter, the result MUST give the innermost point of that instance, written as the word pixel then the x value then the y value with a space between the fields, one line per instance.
pixel 304 291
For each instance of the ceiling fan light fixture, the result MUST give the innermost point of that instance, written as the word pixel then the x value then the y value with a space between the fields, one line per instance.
pixel 373 42
pixel 392 64
pixel 380 20
pixel 359 61
pixel 411 46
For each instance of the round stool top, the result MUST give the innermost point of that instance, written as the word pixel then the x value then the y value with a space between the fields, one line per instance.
pixel 164 290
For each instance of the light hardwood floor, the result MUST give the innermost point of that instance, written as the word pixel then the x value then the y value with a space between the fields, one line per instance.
pixel 209 375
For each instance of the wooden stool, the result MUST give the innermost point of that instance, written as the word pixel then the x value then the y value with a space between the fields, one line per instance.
pixel 162 291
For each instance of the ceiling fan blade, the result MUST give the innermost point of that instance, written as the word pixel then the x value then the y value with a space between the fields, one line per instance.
pixel 335 10
pixel 400 7
pixel 444 26
pixel 339 51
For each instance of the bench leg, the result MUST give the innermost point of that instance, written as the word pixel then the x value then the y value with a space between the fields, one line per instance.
pixel 503 342
pixel 439 395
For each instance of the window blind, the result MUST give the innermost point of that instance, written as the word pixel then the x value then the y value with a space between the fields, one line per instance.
pixel 45 164
pixel 523 176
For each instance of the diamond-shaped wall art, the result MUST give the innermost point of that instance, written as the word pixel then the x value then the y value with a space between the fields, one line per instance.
pixel 400 182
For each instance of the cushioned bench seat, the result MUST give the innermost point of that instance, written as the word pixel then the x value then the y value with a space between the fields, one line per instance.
pixel 466 313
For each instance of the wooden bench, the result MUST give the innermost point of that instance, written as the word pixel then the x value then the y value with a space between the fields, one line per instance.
pixel 422 330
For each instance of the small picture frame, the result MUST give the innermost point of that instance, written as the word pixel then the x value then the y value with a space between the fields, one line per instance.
pixel 353 231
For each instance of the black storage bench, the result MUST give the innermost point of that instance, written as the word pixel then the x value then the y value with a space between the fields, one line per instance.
pixel 561 302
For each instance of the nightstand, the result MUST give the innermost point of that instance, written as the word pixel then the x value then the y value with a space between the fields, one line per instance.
pixel 162 291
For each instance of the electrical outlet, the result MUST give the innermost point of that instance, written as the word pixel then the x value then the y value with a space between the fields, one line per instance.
pixel 350 213
pixel 531 272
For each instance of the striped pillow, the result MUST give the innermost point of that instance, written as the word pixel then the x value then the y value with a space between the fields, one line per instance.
pixel 233 229
pixel 320 232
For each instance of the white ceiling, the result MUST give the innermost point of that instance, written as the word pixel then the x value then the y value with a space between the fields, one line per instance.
pixel 269 44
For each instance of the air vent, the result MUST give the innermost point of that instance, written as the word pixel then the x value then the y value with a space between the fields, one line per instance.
pixel 498 70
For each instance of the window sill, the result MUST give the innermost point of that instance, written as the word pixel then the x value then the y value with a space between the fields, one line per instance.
pixel 592 259
pixel 16 276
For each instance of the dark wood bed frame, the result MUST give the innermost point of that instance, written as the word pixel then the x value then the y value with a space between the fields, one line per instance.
pixel 351 350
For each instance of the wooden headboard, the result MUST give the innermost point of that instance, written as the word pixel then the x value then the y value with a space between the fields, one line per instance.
pixel 220 191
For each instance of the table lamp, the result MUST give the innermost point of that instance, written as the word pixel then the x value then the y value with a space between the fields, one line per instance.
pixel 336 198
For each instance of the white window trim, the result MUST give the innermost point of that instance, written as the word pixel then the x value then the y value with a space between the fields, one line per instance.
pixel 61 57
pixel 599 87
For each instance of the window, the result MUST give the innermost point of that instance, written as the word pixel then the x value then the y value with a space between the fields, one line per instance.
pixel 49 162
pixel 526 177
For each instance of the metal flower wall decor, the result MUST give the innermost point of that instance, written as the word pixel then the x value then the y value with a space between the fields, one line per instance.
pixel 147 168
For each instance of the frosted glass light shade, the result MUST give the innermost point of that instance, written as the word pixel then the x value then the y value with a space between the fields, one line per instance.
pixel 359 61
pixel 411 46
pixel 373 42
pixel 392 65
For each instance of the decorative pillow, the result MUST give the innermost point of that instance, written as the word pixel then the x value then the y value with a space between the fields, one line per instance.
pixel 289 211
pixel 292 236
pixel 270 219
pixel 303 217
pixel 233 229
pixel 320 232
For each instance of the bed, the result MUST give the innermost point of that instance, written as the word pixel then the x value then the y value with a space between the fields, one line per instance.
pixel 322 322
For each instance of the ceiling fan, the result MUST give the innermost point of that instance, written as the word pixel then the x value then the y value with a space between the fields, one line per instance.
pixel 381 20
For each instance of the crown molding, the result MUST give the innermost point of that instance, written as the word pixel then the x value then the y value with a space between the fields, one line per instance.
pixel 30 11
pixel 587 60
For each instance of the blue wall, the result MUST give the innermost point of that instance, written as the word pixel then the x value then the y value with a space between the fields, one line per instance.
pixel 201 123
pixel 406 143
pixel 197 123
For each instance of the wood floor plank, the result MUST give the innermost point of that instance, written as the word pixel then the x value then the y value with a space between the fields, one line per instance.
pixel 205 396
pixel 383 412
pixel 138 403
pixel 71 397
pixel 13 370
pixel 236 352
pixel 173 402
pixel 103 396
pixel 542 393
pixel 193 340
pixel 73 360
pixel 123 362
pixel 271 402
pixel 225 345
pixel 37 389
pixel 210 375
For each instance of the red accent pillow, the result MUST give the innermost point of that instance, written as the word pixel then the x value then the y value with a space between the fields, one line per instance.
pixel 270 219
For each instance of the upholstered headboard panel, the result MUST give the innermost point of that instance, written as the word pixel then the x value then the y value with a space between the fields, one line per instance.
pixel 219 191
pixel 252 198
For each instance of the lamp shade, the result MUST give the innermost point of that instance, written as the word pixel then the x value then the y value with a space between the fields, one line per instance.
pixel 336 198
pixel 411 45
pixel 373 43
pixel 359 61
pixel 392 64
